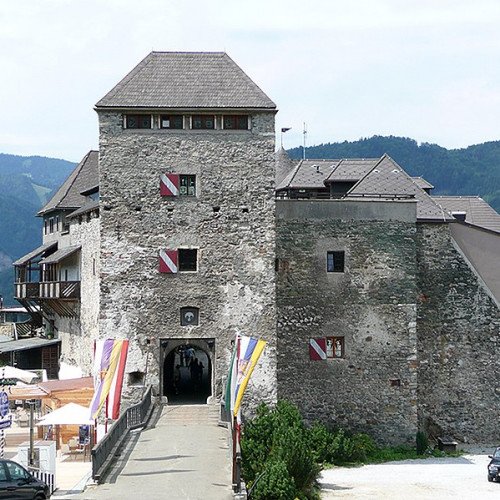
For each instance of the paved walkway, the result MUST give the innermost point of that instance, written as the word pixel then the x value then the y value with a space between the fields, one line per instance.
pixel 184 456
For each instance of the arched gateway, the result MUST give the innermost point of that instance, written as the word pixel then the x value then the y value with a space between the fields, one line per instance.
pixel 187 370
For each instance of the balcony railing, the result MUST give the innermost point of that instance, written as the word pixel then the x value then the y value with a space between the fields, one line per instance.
pixel 63 290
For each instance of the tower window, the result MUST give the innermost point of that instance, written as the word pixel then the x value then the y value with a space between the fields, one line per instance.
pixel 235 122
pixel 172 121
pixel 138 121
pixel 335 262
pixel 335 347
pixel 187 185
pixel 200 122
pixel 188 259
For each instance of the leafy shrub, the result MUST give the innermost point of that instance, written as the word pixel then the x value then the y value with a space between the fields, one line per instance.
pixel 274 483
pixel 274 437
pixel 363 447
pixel 320 439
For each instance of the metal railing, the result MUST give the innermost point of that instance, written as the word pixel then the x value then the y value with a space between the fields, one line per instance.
pixel 132 418
pixel 49 478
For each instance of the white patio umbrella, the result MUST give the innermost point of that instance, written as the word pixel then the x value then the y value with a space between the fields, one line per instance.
pixel 8 373
pixel 69 414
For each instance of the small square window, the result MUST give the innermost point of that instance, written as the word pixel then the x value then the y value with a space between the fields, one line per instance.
pixel 172 121
pixel 335 262
pixel 335 347
pixel 137 121
pixel 235 122
pixel 188 259
pixel 189 316
pixel 200 122
pixel 187 185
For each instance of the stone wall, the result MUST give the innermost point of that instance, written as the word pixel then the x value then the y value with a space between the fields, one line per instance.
pixel 230 221
pixel 77 334
pixel 458 343
pixel 372 305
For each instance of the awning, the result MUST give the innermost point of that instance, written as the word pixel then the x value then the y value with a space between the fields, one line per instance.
pixel 59 255
pixel 25 344
pixel 69 414
pixel 35 253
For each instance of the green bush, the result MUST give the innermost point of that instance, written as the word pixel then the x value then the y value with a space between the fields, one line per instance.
pixel 274 483
pixel 363 447
pixel 278 436
pixel 320 439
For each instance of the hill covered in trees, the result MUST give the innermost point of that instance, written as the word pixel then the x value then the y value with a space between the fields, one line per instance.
pixel 474 170
pixel 26 183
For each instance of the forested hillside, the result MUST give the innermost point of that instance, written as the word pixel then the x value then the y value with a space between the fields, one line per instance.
pixel 470 171
pixel 26 183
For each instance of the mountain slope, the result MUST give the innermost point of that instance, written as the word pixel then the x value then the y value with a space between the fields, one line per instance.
pixel 26 183
pixel 474 170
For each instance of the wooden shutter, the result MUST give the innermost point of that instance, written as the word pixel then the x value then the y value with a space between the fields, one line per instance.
pixel 169 185
pixel 169 261
pixel 317 349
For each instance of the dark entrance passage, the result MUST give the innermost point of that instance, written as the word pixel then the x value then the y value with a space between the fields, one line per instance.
pixel 187 375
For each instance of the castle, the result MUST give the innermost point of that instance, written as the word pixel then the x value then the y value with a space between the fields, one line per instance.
pixel 379 302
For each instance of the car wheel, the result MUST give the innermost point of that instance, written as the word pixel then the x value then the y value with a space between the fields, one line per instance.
pixel 490 479
pixel 40 497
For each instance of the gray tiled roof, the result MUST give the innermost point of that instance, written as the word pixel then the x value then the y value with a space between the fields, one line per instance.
pixel 308 174
pixel 35 253
pixel 422 183
pixel 352 169
pixel 85 176
pixel 60 254
pixel 88 207
pixel 389 179
pixel 477 211
pixel 284 164
pixel 186 80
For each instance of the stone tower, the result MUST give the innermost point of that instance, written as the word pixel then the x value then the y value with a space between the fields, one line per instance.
pixel 187 226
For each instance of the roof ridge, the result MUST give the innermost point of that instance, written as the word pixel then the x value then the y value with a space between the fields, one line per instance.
pixel 140 65
pixel 334 169
pixel 367 173
pixel 296 169
pixel 422 192
pixel 66 185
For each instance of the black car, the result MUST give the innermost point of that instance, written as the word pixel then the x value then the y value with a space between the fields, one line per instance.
pixel 17 482
pixel 494 466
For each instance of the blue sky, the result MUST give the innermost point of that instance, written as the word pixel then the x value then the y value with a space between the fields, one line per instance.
pixel 348 69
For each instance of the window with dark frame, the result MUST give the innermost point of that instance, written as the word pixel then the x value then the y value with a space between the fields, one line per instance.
pixel 137 121
pixel 190 316
pixel 187 185
pixel 51 225
pixel 335 347
pixel 235 122
pixel 188 259
pixel 172 121
pixel 202 122
pixel 335 262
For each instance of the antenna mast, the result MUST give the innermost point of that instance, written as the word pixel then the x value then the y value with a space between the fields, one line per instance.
pixel 305 137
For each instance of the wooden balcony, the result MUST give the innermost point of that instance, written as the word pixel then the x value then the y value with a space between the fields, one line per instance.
pixel 61 290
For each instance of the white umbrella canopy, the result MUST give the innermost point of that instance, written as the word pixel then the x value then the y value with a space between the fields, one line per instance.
pixel 9 373
pixel 69 414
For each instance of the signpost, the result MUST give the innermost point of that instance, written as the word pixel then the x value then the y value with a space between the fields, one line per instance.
pixel 4 422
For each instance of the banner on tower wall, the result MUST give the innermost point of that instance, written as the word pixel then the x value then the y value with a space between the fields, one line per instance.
pixel 109 368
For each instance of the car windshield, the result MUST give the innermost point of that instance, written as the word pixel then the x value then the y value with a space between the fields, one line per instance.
pixel 497 453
